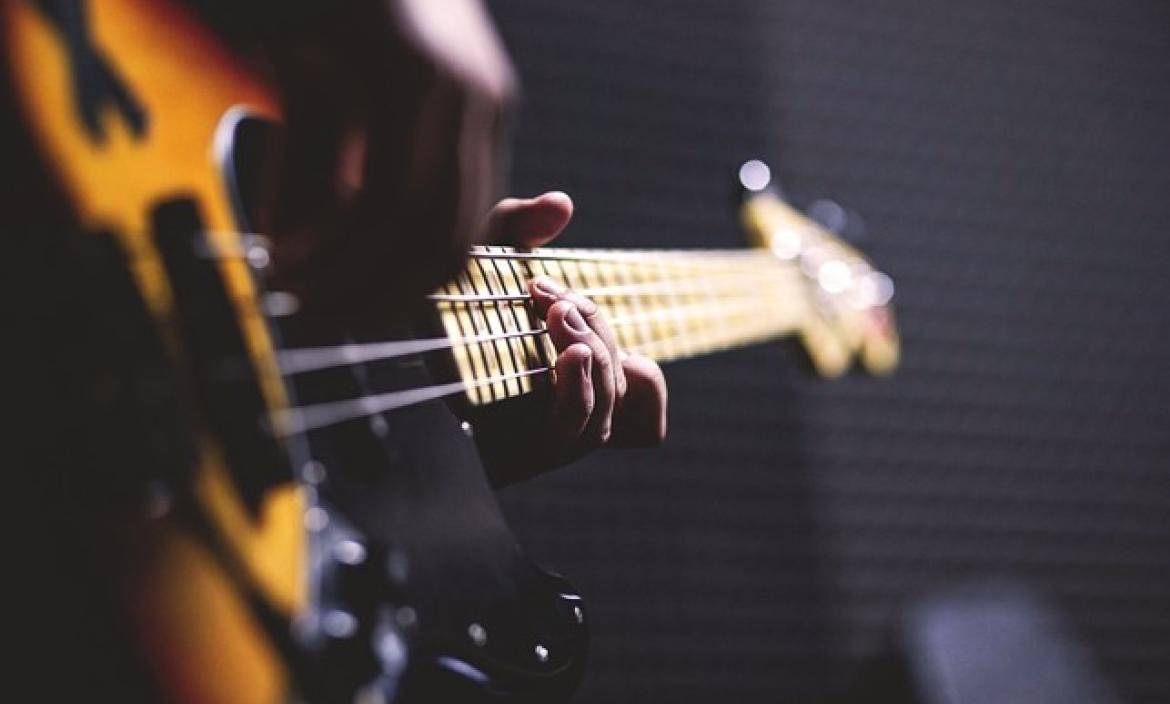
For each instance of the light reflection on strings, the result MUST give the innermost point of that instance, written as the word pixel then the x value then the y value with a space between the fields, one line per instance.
pixel 299 420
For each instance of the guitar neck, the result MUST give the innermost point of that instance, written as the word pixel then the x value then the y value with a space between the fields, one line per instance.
pixel 664 304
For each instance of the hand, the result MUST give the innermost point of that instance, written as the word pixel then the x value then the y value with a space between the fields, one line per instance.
pixel 603 395
pixel 395 114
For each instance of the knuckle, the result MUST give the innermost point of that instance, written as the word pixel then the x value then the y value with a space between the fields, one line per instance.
pixel 558 311
pixel 586 305
pixel 603 360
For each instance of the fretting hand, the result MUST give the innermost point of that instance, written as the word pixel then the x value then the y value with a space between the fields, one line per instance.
pixel 603 395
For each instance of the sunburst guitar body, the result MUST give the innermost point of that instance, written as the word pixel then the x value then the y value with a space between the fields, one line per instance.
pixel 201 536
pixel 129 106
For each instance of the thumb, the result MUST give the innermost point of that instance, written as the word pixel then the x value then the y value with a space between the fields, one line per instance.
pixel 529 222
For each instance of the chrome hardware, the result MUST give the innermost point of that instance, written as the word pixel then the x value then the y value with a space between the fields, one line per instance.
pixel 478 634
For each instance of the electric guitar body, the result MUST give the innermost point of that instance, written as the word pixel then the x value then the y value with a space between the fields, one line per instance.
pixel 227 509
pixel 195 552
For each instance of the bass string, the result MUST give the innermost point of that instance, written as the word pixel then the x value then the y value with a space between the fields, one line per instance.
pixel 303 419
pixel 299 420
pixel 308 359
pixel 738 282
pixel 254 247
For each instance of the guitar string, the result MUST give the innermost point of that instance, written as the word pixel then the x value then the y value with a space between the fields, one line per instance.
pixel 634 290
pixel 307 359
pixel 302 419
pixel 309 418
pixel 681 258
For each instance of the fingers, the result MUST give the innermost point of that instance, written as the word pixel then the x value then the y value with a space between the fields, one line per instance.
pixel 546 293
pixel 567 327
pixel 574 402
pixel 640 416
pixel 529 222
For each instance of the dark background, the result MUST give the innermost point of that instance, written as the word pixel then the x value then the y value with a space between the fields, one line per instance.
pixel 1012 161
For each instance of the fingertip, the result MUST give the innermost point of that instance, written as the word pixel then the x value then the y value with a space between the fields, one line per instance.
pixel 539 220
pixel 574 386
pixel 559 200
pixel 556 314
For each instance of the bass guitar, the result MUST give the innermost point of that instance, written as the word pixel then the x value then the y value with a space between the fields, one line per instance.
pixel 242 507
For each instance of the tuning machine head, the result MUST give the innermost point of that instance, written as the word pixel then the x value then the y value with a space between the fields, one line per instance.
pixel 846 313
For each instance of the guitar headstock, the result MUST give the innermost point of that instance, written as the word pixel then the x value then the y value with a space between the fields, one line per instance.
pixel 849 313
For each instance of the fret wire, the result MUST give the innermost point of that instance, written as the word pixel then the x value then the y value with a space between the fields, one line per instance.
pixel 723 324
pixel 465 354
pixel 570 270
pixel 492 311
pixel 739 331
pixel 533 269
pixel 503 297
pixel 760 295
pixel 696 304
pixel 702 285
pixel 631 304
pixel 482 349
pixel 641 277
pixel 684 312
pixel 747 334
pixel 474 366
pixel 705 330
pixel 659 327
pixel 511 311
pixel 486 313
pixel 589 272
pixel 293 361
pixel 606 273
pixel 524 312
pixel 679 320
pixel 726 307
pixel 686 257
pixel 584 276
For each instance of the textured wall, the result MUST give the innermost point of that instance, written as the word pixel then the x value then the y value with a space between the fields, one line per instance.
pixel 1012 161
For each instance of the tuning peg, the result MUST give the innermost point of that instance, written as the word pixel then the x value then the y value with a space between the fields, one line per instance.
pixel 755 177
pixel 836 218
